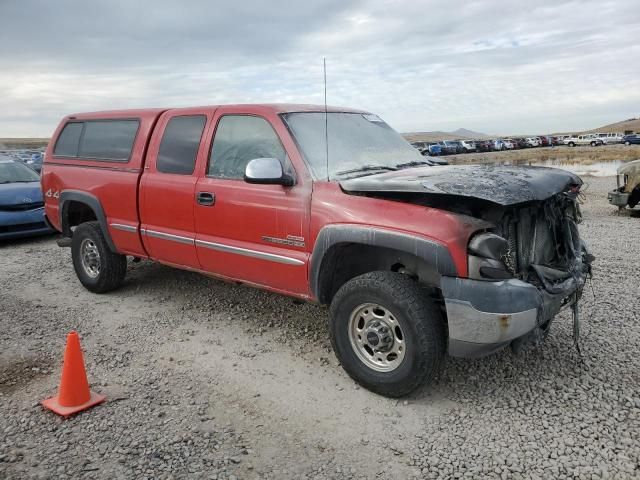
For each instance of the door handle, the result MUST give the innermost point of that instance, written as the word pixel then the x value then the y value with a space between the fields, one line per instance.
pixel 205 198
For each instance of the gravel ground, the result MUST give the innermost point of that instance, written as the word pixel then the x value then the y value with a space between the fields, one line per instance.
pixel 206 379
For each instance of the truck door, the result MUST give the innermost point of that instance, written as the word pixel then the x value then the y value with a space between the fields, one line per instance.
pixel 168 184
pixel 248 232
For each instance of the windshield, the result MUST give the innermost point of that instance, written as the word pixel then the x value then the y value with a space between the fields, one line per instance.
pixel 12 172
pixel 359 144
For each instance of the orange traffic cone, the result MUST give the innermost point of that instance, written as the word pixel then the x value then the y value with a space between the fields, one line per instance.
pixel 74 394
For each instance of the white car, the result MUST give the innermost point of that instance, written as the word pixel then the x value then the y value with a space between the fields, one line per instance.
pixel 589 139
pixel 469 146
pixel 532 142
pixel 609 138
pixel 500 144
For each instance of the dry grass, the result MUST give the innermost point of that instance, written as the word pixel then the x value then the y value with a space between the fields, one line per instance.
pixel 581 155
pixel 21 143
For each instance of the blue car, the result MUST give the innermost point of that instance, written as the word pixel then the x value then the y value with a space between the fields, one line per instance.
pixel 435 149
pixel 629 139
pixel 21 201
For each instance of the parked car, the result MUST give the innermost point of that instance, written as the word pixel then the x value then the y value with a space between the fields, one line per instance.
pixel 35 161
pixel 532 142
pixel 453 146
pixel 518 143
pixel 434 150
pixel 484 145
pixel 447 149
pixel 583 140
pixel 631 139
pixel 468 146
pixel 610 137
pixel 21 203
pixel 248 193
pixel 502 144
pixel 627 193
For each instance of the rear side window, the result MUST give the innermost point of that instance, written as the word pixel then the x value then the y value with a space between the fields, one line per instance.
pixel 179 145
pixel 240 139
pixel 104 140
pixel 108 140
pixel 69 140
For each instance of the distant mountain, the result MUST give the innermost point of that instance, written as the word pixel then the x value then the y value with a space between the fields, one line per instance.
pixel 460 133
pixel 463 132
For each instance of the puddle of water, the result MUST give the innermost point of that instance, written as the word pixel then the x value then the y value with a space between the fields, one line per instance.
pixel 596 169
pixel 606 168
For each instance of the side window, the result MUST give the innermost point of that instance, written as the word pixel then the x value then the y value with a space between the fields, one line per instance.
pixel 69 140
pixel 108 140
pixel 240 139
pixel 179 145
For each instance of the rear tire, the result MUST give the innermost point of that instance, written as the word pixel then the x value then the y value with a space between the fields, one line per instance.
pixel 571 144
pixel 388 335
pixel 98 268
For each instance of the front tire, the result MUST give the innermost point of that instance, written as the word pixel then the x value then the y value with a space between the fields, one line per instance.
pixel 98 268
pixel 627 143
pixel 388 335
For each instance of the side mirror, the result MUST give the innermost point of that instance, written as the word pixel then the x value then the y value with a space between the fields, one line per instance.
pixel 267 171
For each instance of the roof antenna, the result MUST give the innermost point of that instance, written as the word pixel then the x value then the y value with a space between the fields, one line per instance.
pixel 326 119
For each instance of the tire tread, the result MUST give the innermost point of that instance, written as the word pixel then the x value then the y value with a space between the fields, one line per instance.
pixel 113 265
pixel 430 330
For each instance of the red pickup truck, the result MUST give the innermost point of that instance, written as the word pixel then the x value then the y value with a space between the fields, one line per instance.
pixel 329 206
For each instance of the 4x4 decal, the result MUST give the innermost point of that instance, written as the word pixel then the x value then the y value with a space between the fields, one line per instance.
pixel 50 194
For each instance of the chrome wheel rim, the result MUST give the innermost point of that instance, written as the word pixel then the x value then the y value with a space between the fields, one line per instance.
pixel 90 257
pixel 377 337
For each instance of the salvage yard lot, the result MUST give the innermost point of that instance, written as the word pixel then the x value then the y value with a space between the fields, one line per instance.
pixel 206 379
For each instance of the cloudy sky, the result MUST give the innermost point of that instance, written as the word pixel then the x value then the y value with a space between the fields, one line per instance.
pixel 494 66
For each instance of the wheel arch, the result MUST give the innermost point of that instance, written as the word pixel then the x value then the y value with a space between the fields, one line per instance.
pixel 77 207
pixel 342 252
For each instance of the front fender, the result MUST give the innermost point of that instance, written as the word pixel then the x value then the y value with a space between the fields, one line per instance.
pixel 431 252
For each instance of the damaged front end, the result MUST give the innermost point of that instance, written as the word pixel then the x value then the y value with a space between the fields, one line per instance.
pixel 521 273
pixel 523 270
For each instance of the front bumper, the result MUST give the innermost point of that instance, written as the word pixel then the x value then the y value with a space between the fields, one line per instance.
pixel 618 198
pixel 19 224
pixel 486 316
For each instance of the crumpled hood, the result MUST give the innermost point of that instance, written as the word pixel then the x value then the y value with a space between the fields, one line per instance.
pixel 502 185
pixel 19 193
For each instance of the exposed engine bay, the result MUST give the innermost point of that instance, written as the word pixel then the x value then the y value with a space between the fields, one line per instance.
pixel 533 212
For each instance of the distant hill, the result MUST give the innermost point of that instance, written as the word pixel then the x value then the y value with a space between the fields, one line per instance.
pixel 632 124
pixel 460 133
pixel 463 132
